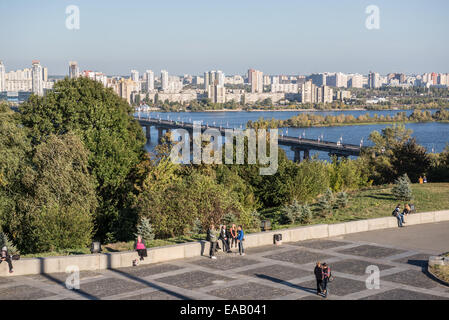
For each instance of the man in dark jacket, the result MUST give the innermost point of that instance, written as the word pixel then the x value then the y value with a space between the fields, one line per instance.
pixel 6 257
pixel 319 277
pixel 224 237
pixel 326 276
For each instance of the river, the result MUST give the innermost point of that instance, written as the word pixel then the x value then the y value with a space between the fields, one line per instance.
pixel 432 135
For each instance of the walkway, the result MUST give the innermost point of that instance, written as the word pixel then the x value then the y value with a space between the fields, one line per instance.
pixel 273 272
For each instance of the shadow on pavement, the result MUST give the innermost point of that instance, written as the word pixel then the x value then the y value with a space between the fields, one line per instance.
pixel 291 285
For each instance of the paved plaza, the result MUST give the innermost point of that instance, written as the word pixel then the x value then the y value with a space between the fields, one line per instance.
pixel 273 272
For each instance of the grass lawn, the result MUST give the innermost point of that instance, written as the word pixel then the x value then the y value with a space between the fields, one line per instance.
pixel 378 202
pixel 373 202
pixel 442 272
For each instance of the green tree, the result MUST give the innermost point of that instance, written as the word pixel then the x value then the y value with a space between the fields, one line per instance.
pixel 57 209
pixel 104 123
pixel 145 230
pixel 402 190
pixel 410 158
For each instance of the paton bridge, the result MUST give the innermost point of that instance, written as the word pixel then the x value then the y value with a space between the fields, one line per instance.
pixel 297 144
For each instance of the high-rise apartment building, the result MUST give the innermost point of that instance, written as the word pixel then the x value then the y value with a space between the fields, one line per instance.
pixel 374 80
pixel 308 92
pixel 2 77
pixel 255 78
pixel 37 82
pixel 74 71
pixel 135 75
pixel 164 80
pixel 355 81
pixel 150 80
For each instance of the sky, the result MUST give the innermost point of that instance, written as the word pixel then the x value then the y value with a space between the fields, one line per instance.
pixel 190 37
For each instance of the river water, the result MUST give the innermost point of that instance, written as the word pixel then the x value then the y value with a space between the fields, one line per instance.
pixel 433 136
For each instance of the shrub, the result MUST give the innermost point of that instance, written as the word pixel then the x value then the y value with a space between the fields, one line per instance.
pixel 4 241
pixel 297 213
pixel 341 200
pixel 401 190
pixel 326 202
pixel 145 230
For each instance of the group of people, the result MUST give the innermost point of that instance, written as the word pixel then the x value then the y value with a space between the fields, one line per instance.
pixel 323 276
pixel 230 237
pixel 422 180
pixel 400 215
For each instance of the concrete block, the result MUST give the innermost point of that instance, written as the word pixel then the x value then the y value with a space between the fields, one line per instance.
pixel 318 231
pixel 412 219
pixel 21 267
pixel 442 216
pixel 337 229
pixel 427 217
pixel 392 222
pixel 356 226
pixel 192 250
pixel 378 223
pixel 166 253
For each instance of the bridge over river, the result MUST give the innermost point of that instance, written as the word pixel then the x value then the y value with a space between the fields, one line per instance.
pixel 297 144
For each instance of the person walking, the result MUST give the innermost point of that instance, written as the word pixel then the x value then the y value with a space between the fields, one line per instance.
pixel 326 276
pixel 6 257
pixel 397 213
pixel 212 234
pixel 224 238
pixel 240 239
pixel 319 277
pixel 233 232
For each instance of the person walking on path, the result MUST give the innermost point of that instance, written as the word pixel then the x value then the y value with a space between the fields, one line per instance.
pixel 326 276
pixel 319 277
pixel 224 237
pixel 141 248
pixel 212 234
pixel 233 232
pixel 6 257
pixel 240 239
pixel 397 213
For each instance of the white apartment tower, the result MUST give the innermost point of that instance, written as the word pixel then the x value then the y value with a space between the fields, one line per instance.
pixel 135 75
pixel 255 78
pixel 2 77
pixel 150 80
pixel 37 82
pixel 164 80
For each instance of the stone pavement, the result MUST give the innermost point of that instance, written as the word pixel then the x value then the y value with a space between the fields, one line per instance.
pixel 271 272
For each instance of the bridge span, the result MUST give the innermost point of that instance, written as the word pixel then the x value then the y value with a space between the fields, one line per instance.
pixel 297 144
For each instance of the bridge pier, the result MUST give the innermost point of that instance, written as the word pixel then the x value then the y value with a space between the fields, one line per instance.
pixel 160 134
pixel 148 133
pixel 306 154
pixel 297 157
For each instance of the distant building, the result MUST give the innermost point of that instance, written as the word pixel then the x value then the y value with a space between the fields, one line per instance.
pixel 74 71
pixel 149 80
pixel 2 77
pixel 374 80
pixel 318 79
pixel 164 80
pixel 339 80
pixel 355 81
pixel 37 81
pixel 308 92
pixel 255 79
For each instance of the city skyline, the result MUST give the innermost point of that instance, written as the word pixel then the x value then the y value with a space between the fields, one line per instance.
pixel 190 38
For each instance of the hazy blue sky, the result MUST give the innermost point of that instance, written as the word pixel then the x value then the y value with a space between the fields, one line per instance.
pixel 277 37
